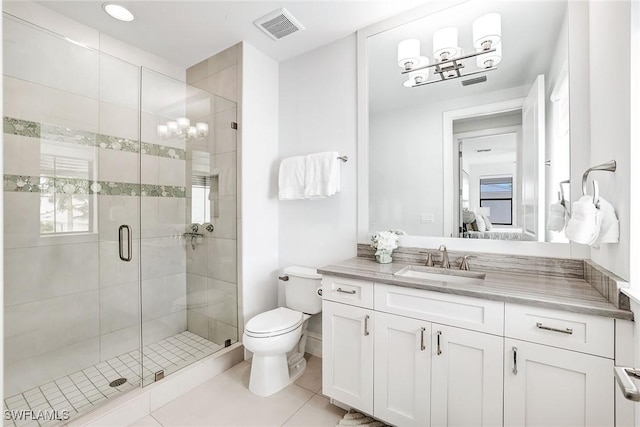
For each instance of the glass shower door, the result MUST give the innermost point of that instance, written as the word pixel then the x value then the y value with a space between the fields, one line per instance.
pixel 71 226
pixel 188 205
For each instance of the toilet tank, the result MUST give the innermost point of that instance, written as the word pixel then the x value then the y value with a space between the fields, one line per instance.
pixel 301 290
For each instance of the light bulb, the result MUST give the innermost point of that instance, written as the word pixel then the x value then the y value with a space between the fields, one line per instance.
pixel 491 59
pixel 203 128
pixel 445 44
pixel 192 132
pixel 416 78
pixel 487 31
pixel 163 130
pixel 408 53
pixel 172 126
pixel 183 123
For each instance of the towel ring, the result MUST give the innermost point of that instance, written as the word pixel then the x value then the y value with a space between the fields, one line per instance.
pixel 596 194
pixel 610 166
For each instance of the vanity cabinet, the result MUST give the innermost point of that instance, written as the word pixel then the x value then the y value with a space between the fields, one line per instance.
pixel 402 370
pixel 466 377
pixel 557 368
pixel 413 357
pixel 547 386
pixel 347 354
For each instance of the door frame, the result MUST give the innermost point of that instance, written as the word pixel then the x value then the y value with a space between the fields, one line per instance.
pixel 449 145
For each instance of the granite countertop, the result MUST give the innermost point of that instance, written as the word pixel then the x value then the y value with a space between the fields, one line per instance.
pixel 568 294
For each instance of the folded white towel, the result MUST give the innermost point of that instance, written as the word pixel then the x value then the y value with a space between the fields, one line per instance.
pixel 322 176
pixel 291 178
pixel 557 219
pixel 609 224
pixel 584 225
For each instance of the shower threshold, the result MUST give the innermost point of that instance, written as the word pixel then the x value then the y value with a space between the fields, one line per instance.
pixel 81 391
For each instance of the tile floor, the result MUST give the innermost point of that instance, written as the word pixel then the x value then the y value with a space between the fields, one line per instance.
pixel 226 401
pixel 79 392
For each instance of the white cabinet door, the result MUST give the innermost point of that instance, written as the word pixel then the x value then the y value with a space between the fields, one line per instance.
pixel 547 386
pixel 466 377
pixel 347 354
pixel 402 362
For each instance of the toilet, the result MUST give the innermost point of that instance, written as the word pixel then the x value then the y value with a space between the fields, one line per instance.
pixel 277 338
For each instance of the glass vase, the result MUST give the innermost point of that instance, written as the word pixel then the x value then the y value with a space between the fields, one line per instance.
pixel 383 257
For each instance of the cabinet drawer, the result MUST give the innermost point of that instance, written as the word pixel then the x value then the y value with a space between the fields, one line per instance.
pixel 348 291
pixel 455 310
pixel 573 331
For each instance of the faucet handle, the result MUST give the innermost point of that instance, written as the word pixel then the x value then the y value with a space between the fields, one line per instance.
pixel 429 262
pixel 464 264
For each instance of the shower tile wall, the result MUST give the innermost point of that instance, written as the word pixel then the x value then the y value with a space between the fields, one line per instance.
pixel 69 301
pixel 212 284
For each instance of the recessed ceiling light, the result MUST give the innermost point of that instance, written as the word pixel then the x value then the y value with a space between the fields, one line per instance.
pixel 118 12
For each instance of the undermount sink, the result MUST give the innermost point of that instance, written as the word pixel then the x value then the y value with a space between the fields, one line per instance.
pixel 435 274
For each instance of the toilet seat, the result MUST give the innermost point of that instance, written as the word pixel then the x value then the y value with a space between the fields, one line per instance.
pixel 272 323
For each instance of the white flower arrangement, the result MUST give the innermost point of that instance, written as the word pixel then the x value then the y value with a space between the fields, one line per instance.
pixel 383 241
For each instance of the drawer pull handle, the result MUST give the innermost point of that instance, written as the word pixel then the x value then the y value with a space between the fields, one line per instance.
pixel 366 325
pixel 515 360
pixel 438 351
pixel 422 346
pixel 346 292
pixel 623 377
pixel 548 328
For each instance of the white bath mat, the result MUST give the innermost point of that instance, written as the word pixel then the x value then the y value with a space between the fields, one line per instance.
pixel 353 418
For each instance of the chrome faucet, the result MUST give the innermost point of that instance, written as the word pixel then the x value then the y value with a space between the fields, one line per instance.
pixel 445 257
pixel 464 264
pixel 429 262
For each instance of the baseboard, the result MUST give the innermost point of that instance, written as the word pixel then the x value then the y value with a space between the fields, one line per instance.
pixel 141 402
pixel 314 344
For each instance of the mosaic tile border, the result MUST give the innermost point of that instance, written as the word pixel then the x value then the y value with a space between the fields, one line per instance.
pixel 13 126
pixel 51 185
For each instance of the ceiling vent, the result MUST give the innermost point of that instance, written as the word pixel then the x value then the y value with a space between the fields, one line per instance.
pixel 279 24
pixel 474 81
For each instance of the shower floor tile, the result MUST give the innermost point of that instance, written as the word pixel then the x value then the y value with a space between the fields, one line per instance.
pixel 82 390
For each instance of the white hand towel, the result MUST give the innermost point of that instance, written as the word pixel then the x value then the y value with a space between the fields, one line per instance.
pixel 556 219
pixel 322 177
pixel 291 178
pixel 609 225
pixel 584 225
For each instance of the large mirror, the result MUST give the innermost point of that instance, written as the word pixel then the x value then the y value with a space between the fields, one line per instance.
pixel 480 156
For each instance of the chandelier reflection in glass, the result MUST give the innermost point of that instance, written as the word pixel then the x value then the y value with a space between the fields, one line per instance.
pixel 181 127
pixel 449 58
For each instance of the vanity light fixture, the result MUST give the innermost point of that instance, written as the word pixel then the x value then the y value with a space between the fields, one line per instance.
pixel 182 127
pixel 449 58
pixel 118 12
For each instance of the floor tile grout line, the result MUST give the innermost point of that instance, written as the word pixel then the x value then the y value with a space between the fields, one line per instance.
pixel 156 420
pixel 301 406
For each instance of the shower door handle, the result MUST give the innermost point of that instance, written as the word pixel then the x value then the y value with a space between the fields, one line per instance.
pixel 121 243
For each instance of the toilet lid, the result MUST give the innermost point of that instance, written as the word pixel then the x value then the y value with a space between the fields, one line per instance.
pixel 274 322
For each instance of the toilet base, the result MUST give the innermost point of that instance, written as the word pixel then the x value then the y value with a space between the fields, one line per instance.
pixel 270 374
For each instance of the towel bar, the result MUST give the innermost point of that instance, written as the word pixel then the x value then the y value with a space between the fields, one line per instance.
pixel 343 158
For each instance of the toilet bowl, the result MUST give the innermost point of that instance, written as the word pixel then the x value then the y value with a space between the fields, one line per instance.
pixel 277 338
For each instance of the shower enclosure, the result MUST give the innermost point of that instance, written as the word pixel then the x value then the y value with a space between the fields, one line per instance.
pixel 120 224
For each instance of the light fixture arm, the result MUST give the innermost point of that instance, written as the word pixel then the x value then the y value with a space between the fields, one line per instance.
pixel 448 61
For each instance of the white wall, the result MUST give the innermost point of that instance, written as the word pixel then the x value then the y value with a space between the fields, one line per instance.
pixel 259 159
pixel 610 121
pixel 318 113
